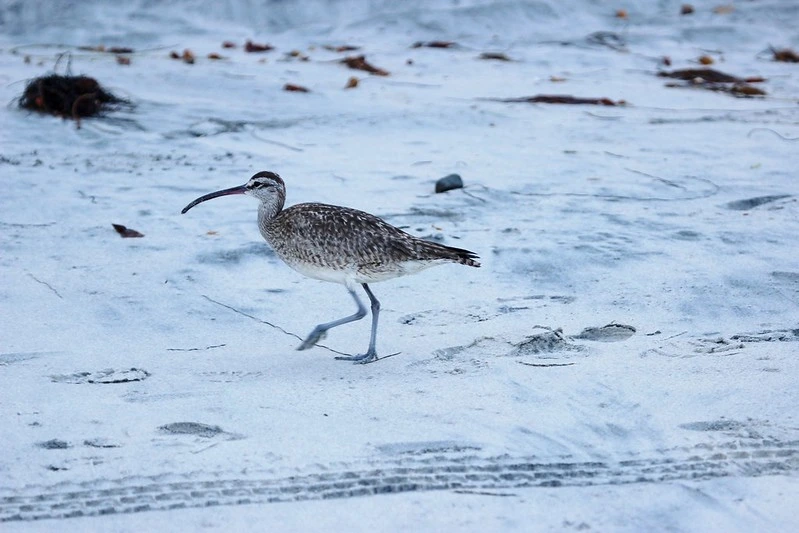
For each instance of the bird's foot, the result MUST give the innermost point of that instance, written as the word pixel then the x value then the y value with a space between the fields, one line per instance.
pixel 315 336
pixel 362 359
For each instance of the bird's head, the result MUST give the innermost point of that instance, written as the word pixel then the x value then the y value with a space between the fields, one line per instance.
pixel 266 186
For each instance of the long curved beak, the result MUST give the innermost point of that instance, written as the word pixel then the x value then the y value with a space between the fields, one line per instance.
pixel 225 192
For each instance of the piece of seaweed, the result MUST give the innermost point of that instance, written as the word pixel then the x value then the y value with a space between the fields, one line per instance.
pixel 72 97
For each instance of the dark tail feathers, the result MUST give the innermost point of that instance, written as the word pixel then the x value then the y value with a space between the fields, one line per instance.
pixel 432 250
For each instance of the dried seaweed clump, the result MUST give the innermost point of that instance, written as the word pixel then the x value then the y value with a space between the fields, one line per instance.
pixel 72 97
pixel 713 80
pixel 360 63
pixel 785 55
pixel 560 99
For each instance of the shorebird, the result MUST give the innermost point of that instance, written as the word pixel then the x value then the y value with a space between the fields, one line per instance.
pixel 339 244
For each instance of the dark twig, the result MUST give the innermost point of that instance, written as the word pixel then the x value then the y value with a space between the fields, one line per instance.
pixel 708 194
pixel 37 280
pixel 656 178
pixel 211 347
pixel 276 143
pixel 272 325
pixel 467 193
pixel 783 137
pixel 485 493
pixel 675 335
pixel 17 225
pixel 69 61
pixel 89 196
pixel 544 365
pixel 380 358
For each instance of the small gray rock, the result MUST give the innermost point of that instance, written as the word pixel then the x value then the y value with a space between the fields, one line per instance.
pixel 447 183
pixel 751 203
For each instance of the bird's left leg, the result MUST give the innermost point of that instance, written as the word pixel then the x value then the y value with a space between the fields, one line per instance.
pixel 371 353
pixel 319 331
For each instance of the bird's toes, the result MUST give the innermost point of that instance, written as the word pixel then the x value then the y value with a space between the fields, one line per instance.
pixel 359 359
pixel 313 338
pixel 305 345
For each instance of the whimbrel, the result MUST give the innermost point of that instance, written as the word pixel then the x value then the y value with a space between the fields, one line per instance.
pixel 341 245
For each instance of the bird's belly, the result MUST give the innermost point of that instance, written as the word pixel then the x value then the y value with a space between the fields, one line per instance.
pixel 347 274
pixel 324 273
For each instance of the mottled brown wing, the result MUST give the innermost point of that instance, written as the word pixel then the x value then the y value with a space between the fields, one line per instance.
pixel 322 232
pixel 356 238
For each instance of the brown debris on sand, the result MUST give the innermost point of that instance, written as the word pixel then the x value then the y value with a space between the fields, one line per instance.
pixel 496 56
pixel 560 99
pixel 109 50
pixel 341 48
pixel 713 80
pixel 252 47
pixel 72 97
pixel 786 55
pixel 707 75
pixel 294 88
pixel 434 44
pixel 296 54
pixel 187 56
pixel 735 89
pixel 359 63
pixel 742 89
pixel 127 233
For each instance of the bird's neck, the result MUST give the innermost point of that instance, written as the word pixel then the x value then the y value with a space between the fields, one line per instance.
pixel 267 211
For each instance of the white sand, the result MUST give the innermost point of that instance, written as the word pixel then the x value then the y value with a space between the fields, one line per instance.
pixel 583 216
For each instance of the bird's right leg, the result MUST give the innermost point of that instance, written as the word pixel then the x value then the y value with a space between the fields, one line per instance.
pixel 371 353
pixel 319 331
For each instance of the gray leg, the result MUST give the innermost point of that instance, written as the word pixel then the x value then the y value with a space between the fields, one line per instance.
pixel 371 353
pixel 319 331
